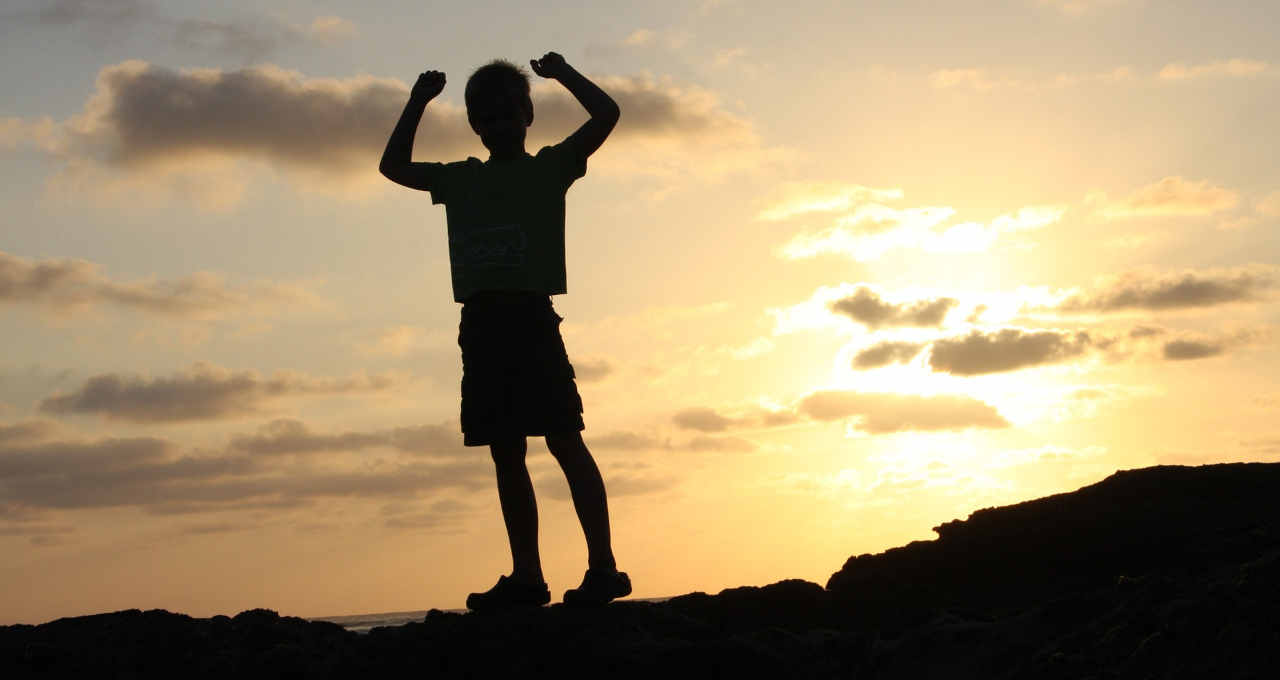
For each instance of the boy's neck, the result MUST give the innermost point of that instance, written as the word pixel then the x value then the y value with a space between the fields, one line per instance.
pixel 513 153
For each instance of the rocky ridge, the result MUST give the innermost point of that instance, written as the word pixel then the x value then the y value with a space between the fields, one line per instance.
pixel 1163 572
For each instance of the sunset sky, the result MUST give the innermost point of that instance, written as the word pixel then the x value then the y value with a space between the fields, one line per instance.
pixel 843 272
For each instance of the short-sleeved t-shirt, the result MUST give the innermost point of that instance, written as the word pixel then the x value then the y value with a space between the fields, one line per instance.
pixel 506 220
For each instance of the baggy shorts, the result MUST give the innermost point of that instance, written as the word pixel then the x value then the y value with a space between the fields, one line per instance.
pixel 516 377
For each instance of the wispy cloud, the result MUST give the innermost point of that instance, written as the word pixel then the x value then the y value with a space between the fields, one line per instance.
pixel 204 392
pixel 1170 197
pixel 885 353
pixel 249 38
pixel 65 284
pixel 801 198
pixel 291 436
pixel 871 229
pixel 886 413
pixel 1191 289
pixel 1228 68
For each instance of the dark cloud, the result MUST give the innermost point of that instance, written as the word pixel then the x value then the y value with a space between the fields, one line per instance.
pixel 778 418
pixel 25 433
pixel 883 413
pixel 250 38
pixel 1184 350
pixel 142 114
pixel 592 370
pixel 1187 290
pixel 204 392
pixel 867 308
pixel 72 283
pixel 55 458
pixel 226 483
pixel 1008 349
pixel 885 353
pixel 67 12
pixel 1145 332
pixel 702 419
pixel 286 436
pixel 215 528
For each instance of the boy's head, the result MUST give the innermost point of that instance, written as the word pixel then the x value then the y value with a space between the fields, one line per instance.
pixel 498 105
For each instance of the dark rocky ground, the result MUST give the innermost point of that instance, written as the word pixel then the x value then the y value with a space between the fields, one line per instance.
pixel 1164 572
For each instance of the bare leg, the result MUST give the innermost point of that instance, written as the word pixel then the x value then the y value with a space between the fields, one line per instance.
pixel 587 489
pixel 519 509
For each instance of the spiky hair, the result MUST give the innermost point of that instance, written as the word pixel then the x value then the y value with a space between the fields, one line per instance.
pixel 498 74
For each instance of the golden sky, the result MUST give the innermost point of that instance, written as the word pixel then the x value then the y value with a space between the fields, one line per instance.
pixel 838 276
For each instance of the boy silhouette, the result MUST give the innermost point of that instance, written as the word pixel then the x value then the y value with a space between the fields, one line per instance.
pixel 506 257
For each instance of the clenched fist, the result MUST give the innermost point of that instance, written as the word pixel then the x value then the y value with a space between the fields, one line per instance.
pixel 551 65
pixel 428 86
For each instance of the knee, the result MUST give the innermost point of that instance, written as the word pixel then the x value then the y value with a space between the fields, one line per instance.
pixel 567 446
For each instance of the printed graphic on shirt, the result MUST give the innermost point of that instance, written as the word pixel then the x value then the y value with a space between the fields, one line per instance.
pixel 503 246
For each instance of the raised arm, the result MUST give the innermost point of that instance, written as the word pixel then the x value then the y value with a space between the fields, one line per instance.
pixel 603 110
pixel 397 164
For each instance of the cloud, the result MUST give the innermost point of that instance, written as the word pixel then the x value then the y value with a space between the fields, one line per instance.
pixel 705 443
pixel 885 353
pixel 403 340
pixel 149 473
pixel 867 308
pixel 55 458
pixel 66 12
pixel 205 392
pixel 1189 289
pixel 702 419
pixel 885 413
pixel 871 229
pixel 66 284
pixel 147 125
pixel 592 370
pixel 624 440
pixel 249 38
pixel 974 237
pixel 973 78
pixel 193 485
pixel 289 436
pixel 1008 349
pixel 25 433
pixel 801 198
pixel 1184 350
pixel 640 36
pixel 1230 68
pixel 330 28
pixel 1170 197
pixel 553 485
pixel 444 514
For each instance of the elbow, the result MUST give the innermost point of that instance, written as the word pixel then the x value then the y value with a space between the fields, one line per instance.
pixel 610 115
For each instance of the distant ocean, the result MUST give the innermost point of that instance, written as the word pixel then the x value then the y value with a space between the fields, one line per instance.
pixel 362 623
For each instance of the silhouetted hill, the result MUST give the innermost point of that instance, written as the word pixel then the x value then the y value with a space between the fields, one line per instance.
pixel 1164 572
